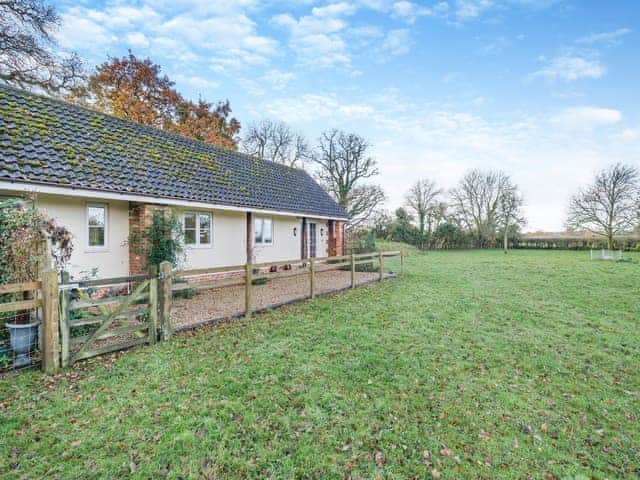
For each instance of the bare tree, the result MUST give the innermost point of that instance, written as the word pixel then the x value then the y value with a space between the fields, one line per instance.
pixel 421 198
pixel 476 201
pixel 379 223
pixel 609 206
pixel 510 215
pixel 275 141
pixel 27 59
pixel 343 166
pixel 436 214
pixel 363 203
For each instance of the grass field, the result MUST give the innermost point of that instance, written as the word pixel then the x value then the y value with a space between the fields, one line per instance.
pixel 473 365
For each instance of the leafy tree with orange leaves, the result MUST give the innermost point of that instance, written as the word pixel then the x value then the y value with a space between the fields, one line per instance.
pixel 136 89
pixel 209 124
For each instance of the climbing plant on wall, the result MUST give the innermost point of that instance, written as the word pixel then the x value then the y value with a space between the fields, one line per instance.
pixel 162 240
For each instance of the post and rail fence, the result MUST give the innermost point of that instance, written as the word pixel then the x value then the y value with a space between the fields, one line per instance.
pixel 84 319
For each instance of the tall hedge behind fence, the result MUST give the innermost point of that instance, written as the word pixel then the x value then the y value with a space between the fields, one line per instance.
pixel 628 244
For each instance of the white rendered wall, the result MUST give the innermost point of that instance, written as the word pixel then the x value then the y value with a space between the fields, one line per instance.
pixel 111 261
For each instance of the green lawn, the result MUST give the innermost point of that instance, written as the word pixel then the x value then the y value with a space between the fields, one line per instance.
pixel 473 365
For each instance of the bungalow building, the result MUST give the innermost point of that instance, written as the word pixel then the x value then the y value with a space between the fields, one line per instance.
pixel 102 177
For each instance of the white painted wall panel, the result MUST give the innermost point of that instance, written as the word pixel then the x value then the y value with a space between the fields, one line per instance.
pixel 71 212
pixel 285 245
pixel 229 246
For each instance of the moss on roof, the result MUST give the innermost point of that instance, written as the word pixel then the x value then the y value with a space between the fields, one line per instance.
pixel 48 141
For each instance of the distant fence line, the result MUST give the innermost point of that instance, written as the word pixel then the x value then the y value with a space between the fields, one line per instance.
pixel 627 244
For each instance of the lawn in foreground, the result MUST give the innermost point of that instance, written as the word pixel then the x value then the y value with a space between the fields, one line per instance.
pixel 473 365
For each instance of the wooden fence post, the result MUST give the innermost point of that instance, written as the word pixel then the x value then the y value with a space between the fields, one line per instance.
pixel 65 302
pixel 248 290
pixel 312 283
pixel 50 343
pixel 153 310
pixel 165 298
pixel 353 270
pixel 380 266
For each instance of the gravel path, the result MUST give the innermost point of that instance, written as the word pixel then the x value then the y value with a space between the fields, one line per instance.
pixel 226 302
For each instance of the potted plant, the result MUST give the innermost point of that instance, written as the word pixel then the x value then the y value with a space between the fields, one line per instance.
pixel 29 242
pixel 23 338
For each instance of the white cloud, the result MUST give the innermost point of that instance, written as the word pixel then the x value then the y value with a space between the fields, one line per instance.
pixel 468 9
pixel 609 38
pixel 278 80
pixel 199 30
pixel 305 108
pixel 274 81
pixel 119 17
pixel 137 40
pixel 313 107
pixel 172 49
pixel 318 38
pixel 334 9
pixel 79 32
pixel 356 110
pixel 496 46
pixel 219 33
pixel 202 85
pixel 570 67
pixel 586 117
pixel 460 11
pixel 627 135
pixel 397 42
pixel 410 11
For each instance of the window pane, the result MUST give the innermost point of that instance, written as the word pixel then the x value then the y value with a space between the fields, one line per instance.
pixel 96 236
pixel 267 231
pixel 190 221
pixel 96 221
pixel 190 237
pixel 190 228
pixel 96 216
pixel 257 226
pixel 205 228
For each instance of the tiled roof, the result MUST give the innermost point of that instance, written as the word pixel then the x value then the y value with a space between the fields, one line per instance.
pixel 43 140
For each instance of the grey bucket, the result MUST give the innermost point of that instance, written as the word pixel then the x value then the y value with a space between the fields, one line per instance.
pixel 23 338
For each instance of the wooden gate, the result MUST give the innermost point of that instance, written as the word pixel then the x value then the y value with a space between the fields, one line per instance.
pixel 95 326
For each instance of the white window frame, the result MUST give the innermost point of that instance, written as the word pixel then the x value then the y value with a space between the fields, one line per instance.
pixel 97 248
pixel 263 218
pixel 197 213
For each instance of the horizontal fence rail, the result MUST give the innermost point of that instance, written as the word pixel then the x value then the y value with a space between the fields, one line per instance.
pixel 18 305
pixel 251 275
pixel 83 319
pixel 106 281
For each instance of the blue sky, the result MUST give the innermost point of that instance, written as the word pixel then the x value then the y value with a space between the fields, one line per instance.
pixel 546 90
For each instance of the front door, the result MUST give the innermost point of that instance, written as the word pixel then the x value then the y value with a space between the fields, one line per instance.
pixel 312 240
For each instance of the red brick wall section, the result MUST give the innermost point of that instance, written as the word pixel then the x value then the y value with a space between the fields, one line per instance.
pixel 331 241
pixel 340 238
pixel 140 217
pixel 336 238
